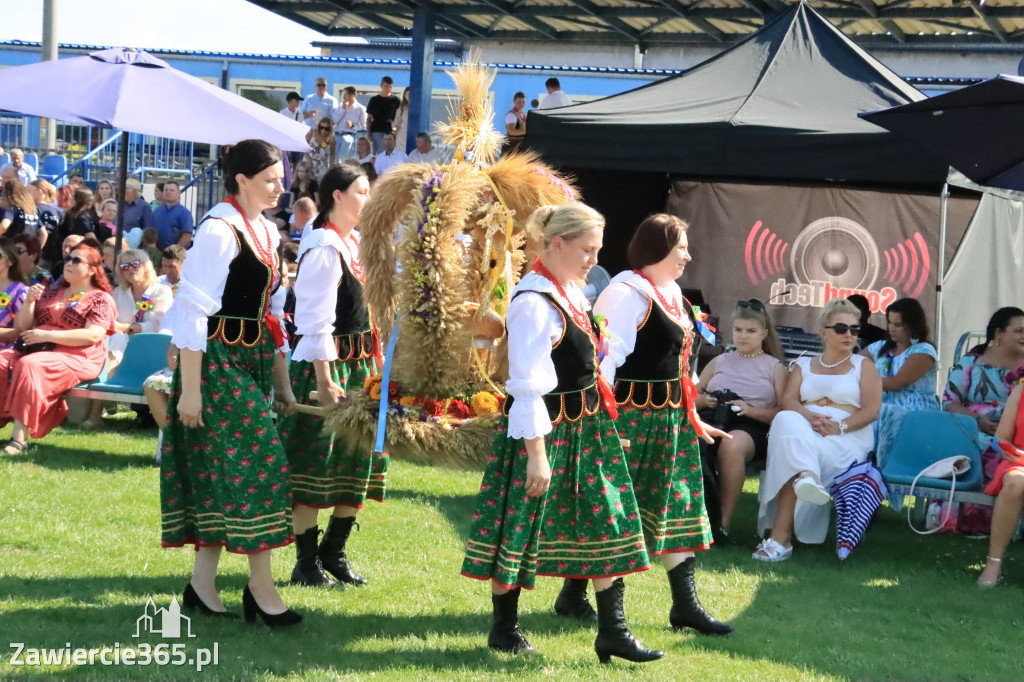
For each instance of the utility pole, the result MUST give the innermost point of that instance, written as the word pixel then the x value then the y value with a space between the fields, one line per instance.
pixel 49 54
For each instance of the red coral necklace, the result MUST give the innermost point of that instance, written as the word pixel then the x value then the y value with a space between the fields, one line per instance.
pixel 352 249
pixel 578 315
pixel 264 252
pixel 673 307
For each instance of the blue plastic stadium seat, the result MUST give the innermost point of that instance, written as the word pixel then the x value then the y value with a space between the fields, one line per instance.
pixel 927 437
pixel 32 159
pixel 5 159
pixel 146 354
pixel 54 166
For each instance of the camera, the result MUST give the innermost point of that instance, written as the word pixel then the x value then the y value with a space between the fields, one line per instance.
pixel 723 412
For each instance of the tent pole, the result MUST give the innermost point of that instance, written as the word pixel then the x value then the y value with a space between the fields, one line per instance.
pixel 941 274
pixel 122 179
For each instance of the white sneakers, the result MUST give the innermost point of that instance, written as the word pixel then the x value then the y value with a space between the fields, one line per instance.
pixel 810 491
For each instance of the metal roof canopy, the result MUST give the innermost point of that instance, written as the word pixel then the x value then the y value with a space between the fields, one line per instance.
pixel 918 23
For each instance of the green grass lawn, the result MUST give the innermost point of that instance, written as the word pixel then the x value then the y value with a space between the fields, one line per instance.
pixel 80 556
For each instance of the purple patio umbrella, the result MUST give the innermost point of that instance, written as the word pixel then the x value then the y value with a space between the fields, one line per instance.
pixel 135 92
pixel 857 494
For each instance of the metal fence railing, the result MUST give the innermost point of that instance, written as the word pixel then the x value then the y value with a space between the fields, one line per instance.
pixel 204 190
pixel 94 152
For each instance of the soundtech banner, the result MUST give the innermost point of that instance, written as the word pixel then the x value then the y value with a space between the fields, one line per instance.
pixel 796 248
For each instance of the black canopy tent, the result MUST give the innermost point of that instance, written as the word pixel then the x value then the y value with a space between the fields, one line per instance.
pixel 762 150
pixel 780 106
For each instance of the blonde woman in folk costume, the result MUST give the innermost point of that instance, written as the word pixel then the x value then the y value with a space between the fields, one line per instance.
pixel 651 340
pixel 336 351
pixel 224 475
pixel 556 497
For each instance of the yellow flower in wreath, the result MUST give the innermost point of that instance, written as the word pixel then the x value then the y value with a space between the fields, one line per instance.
pixel 407 401
pixel 375 391
pixel 370 379
pixel 484 403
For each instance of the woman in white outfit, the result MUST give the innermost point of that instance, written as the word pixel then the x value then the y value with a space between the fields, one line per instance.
pixel 829 403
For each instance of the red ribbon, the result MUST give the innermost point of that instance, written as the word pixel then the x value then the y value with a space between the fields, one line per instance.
pixel 690 400
pixel 607 396
pixel 276 330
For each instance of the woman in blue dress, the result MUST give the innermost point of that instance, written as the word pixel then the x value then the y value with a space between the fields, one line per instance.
pixel 906 362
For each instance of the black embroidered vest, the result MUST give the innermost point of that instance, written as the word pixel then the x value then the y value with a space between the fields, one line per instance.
pixel 353 327
pixel 245 299
pixel 650 376
pixel 575 361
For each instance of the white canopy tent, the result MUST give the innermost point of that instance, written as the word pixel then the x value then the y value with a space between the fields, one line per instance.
pixel 987 270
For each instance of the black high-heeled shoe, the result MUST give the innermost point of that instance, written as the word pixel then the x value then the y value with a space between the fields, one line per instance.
pixel 278 620
pixel 192 601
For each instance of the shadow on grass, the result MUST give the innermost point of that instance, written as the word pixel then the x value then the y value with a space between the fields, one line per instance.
pixel 457 509
pixel 901 606
pixel 65 458
pixel 327 640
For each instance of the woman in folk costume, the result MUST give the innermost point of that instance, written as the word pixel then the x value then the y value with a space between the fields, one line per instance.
pixel 649 358
pixel 556 498
pixel 224 474
pixel 336 351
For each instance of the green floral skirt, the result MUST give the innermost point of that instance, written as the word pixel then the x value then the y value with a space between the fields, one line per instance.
pixel 225 483
pixel 585 526
pixel 325 471
pixel 664 463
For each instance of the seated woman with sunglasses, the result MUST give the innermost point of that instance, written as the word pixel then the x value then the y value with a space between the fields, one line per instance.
pixel 72 320
pixel 906 362
pixel 141 303
pixel 829 403
pixel 323 147
pixel 754 373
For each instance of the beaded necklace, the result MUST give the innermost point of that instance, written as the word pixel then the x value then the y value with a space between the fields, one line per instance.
pixel 673 308
pixel 265 253
pixel 579 316
pixel 352 249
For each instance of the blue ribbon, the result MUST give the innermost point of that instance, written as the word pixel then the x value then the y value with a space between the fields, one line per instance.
pixel 708 335
pixel 385 380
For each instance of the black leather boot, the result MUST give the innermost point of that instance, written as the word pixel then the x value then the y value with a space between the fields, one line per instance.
pixel 613 635
pixel 505 633
pixel 687 611
pixel 332 551
pixel 572 601
pixel 308 570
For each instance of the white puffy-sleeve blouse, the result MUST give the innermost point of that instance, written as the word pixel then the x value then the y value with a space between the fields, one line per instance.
pixel 316 294
pixel 534 327
pixel 624 307
pixel 205 273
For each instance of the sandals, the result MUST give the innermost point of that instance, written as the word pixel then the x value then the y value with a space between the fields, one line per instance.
pixel 985 584
pixel 810 491
pixel 13 447
pixel 771 551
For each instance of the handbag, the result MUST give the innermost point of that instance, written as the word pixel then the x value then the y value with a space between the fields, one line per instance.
pixel 948 468
pixel 29 348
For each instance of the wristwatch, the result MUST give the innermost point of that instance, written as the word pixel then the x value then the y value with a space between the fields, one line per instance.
pixel 842 427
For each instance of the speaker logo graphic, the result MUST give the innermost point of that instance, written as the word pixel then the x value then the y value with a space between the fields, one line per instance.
pixel 835 256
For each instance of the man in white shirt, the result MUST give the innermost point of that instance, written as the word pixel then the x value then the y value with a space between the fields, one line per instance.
pixel 555 98
pixel 389 157
pixel 424 152
pixel 350 117
pixel 349 121
pixel 25 172
pixel 319 104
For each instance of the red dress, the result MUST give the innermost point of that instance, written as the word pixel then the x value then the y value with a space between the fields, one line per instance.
pixel 996 484
pixel 32 386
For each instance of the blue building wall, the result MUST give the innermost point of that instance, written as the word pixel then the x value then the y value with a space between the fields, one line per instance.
pixel 298 73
